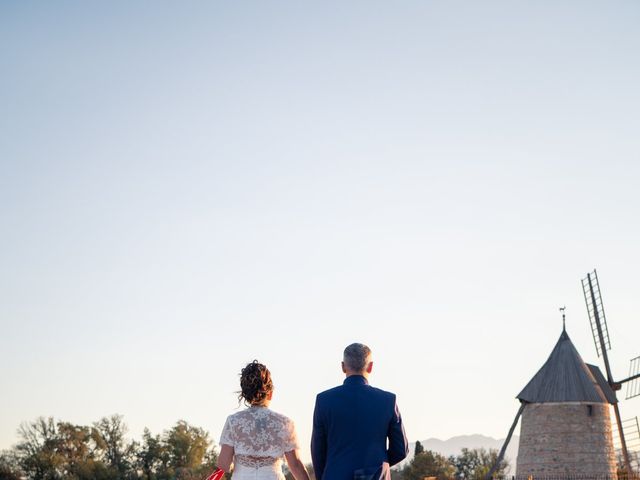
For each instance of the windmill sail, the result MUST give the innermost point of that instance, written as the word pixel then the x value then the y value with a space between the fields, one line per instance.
pixel 595 307
pixel 631 431
pixel 600 331
pixel 633 385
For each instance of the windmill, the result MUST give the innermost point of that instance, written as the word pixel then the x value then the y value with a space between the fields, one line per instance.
pixel 566 422
pixel 600 331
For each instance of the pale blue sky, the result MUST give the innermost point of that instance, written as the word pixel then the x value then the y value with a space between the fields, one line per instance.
pixel 187 186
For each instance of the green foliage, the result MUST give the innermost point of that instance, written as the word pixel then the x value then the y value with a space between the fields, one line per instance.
pixel 62 451
pixel 150 458
pixel 185 449
pixel 419 448
pixel 38 450
pixel 187 445
pixel 428 464
pixel 474 464
pixel 471 464
pixel 9 469
pixel 109 436
pixel 77 450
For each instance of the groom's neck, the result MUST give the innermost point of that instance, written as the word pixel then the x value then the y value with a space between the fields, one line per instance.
pixel 359 374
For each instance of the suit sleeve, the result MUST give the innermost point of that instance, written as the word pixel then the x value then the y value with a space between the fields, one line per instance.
pixel 398 444
pixel 318 442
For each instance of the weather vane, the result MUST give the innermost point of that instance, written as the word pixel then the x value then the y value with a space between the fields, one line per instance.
pixel 562 309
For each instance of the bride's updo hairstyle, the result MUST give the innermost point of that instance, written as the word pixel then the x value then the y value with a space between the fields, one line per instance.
pixel 255 384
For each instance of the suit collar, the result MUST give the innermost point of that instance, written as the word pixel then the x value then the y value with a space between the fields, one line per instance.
pixel 355 380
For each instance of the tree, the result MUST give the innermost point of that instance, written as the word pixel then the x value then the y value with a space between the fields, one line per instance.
pixel 76 449
pixel 210 460
pixel 428 464
pixel 9 468
pixel 149 455
pixel 419 448
pixel 37 451
pixel 474 464
pixel 109 435
pixel 59 451
pixel 63 451
pixel 185 448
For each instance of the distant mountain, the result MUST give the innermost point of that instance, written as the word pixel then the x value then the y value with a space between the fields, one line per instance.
pixel 454 446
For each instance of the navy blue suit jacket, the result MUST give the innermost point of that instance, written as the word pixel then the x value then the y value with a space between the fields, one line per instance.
pixel 351 426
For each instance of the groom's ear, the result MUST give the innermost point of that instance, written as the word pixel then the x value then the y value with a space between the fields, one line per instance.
pixel 344 370
pixel 369 367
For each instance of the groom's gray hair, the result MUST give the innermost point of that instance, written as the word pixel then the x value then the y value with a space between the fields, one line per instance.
pixel 357 357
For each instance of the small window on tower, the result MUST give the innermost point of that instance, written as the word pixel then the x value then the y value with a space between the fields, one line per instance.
pixel 590 410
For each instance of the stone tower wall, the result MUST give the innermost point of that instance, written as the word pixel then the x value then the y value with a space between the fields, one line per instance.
pixel 566 439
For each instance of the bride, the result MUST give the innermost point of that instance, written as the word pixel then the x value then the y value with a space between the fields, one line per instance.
pixel 256 439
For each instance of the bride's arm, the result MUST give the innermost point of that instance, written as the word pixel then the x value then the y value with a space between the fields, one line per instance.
pixel 225 459
pixel 296 466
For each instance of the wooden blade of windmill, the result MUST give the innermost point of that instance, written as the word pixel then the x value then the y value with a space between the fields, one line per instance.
pixel 623 441
pixel 598 319
pixel 506 443
pixel 633 380
pixel 600 331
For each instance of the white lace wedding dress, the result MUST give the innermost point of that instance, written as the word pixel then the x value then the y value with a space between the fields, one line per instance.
pixel 259 437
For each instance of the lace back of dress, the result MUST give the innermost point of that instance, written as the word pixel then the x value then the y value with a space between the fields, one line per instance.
pixel 252 461
pixel 259 436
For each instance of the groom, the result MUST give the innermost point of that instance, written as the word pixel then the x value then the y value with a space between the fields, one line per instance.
pixel 352 423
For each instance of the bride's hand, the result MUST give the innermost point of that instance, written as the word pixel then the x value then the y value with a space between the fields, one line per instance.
pixel 225 458
pixel 296 466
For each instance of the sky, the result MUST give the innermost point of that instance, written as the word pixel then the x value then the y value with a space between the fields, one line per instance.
pixel 187 186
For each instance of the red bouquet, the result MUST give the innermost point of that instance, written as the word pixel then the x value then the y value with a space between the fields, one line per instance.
pixel 216 475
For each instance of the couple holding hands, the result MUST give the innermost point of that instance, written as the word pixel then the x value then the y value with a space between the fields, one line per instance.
pixel 357 429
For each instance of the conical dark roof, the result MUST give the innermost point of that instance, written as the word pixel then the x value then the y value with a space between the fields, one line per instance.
pixel 566 378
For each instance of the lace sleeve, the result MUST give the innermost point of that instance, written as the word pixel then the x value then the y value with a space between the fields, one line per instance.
pixel 290 437
pixel 227 437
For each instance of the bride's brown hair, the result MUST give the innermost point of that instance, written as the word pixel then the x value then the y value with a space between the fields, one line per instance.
pixel 255 384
